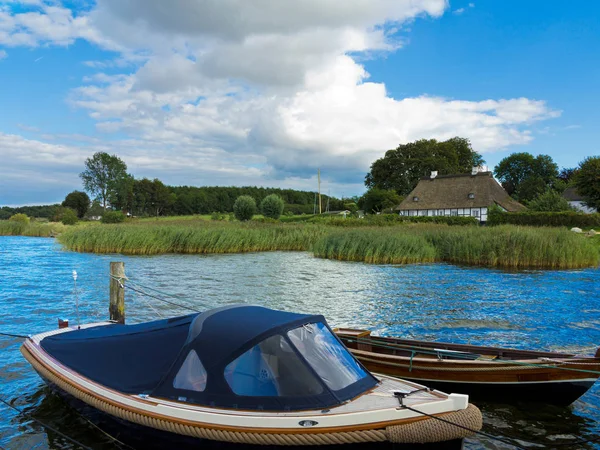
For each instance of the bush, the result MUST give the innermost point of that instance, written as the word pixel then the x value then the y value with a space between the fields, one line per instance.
pixel 69 217
pixel 20 218
pixel 217 216
pixel 382 220
pixel 244 208
pixel 272 206
pixel 113 217
pixel 549 201
pixel 545 219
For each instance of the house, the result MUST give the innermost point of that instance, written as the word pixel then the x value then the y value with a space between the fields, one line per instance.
pixel 470 194
pixel 577 201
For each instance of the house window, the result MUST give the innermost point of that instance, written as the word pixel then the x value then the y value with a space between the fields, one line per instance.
pixel 441 212
pixel 415 199
pixel 454 212
pixel 471 195
pixel 475 213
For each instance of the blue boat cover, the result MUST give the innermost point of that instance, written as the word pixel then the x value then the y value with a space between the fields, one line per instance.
pixel 239 357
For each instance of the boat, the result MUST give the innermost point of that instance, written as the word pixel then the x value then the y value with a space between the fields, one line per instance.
pixel 484 373
pixel 242 374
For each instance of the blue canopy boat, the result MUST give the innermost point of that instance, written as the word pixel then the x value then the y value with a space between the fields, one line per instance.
pixel 243 374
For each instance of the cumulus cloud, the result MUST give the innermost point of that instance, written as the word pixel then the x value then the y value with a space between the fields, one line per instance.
pixel 235 91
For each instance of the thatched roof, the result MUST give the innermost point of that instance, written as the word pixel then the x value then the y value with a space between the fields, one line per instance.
pixel 453 191
pixel 572 195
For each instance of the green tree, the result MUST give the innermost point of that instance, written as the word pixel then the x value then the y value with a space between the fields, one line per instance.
pixel 68 216
pixel 103 175
pixel 161 197
pixel 522 174
pixel 587 181
pixel 20 218
pixel 376 200
pixel 244 208
pixel 272 206
pixel 400 169
pixel 78 201
pixel 549 201
pixel 121 196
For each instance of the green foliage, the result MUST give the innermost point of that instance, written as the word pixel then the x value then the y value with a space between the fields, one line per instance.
pixel 41 211
pixel 20 218
pixel 78 201
pixel 400 169
pixel 68 217
pixel 376 200
pixel 549 201
pixel 544 219
pixel 272 206
pixel 505 246
pixel 244 208
pixel 525 176
pixel 217 216
pixel 35 229
pixel 587 181
pixel 113 217
pixel 104 176
pixel 384 220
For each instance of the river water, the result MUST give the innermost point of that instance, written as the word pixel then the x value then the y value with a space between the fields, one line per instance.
pixel 553 310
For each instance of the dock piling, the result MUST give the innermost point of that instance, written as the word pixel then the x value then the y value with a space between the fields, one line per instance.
pixel 116 307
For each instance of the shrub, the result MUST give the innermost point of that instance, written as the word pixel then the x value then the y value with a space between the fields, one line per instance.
pixel 244 208
pixel 113 217
pixel 217 216
pixel 69 217
pixel 20 218
pixel 272 206
pixel 549 201
pixel 545 219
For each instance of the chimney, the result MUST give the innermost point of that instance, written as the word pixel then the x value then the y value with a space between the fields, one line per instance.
pixel 434 174
pixel 475 170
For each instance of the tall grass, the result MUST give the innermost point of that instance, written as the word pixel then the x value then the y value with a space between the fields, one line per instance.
pixel 504 246
pixel 37 229
pixel 193 237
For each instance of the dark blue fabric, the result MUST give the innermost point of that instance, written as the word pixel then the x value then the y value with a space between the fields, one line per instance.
pixel 145 358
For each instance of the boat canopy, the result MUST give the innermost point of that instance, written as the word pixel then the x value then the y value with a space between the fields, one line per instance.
pixel 239 357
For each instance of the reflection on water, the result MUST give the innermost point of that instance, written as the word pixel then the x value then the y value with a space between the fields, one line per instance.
pixel 544 310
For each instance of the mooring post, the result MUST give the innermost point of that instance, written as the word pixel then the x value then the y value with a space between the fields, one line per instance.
pixel 116 308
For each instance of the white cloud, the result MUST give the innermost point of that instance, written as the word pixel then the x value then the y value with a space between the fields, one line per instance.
pixel 458 11
pixel 3 54
pixel 263 92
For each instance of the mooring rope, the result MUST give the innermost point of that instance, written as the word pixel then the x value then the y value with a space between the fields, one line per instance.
pixel 45 425
pixel 19 336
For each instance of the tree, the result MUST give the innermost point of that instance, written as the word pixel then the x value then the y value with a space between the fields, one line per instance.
pixel 550 201
pixel 68 216
pixel 77 201
pixel 587 181
pixel 161 197
pixel 102 176
pixel 376 200
pixel 20 218
pixel 514 170
pixel 566 174
pixel 272 206
pixel 244 208
pixel 121 196
pixel 400 169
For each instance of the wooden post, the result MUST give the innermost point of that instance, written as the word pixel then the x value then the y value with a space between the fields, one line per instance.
pixel 116 307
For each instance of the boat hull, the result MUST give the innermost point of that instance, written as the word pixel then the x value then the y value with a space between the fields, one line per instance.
pixel 550 378
pixel 147 438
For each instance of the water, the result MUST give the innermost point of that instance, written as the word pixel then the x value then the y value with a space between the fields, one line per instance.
pixel 537 310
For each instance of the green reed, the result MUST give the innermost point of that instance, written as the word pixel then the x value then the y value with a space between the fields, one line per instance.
pixel 36 229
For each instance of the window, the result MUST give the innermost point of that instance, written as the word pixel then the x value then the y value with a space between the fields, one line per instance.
pixel 415 199
pixel 271 369
pixel 454 212
pixel 475 213
pixel 330 359
pixel 191 375
pixel 471 195
pixel 441 212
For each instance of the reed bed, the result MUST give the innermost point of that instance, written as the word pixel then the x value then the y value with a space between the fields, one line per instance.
pixel 193 237
pixel 34 229
pixel 505 246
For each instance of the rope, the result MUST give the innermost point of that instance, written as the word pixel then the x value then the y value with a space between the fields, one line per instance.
pixel 45 425
pixel 518 364
pixel 471 430
pixel 20 336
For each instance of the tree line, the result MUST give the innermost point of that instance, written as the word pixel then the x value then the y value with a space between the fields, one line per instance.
pixel 535 181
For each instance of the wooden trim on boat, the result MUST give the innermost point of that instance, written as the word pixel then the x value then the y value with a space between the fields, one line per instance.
pixel 29 348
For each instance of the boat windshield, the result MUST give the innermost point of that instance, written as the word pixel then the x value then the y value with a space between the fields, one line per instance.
pixel 326 355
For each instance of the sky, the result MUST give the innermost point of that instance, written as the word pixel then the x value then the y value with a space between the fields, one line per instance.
pixel 265 92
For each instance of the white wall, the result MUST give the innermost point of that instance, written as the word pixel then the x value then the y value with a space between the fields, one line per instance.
pixel 480 213
pixel 581 207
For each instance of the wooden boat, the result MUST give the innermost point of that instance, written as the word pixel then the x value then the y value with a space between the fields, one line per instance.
pixel 485 373
pixel 242 374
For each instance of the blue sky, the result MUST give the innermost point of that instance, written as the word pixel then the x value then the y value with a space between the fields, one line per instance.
pixel 196 95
